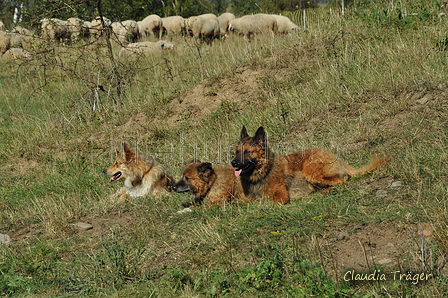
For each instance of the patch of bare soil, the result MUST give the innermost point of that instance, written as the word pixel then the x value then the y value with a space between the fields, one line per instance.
pixel 102 226
pixel 378 244
pixel 20 167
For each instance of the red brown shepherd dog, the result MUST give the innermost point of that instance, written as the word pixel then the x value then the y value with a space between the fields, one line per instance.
pixel 265 174
pixel 141 176
pixel 210 184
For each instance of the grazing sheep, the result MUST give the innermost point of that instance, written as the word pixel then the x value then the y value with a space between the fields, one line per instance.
pixel 174 25
pixel 152 26
pixel 22 31
pixel 234 26
pixel 285 25
pixel 76 28
pixel 55 29
pixel 203 29
pixel 5 41
pixel 255 24
pixel 145 48
pixel 26 36
pixel 209 16
pixel 86 29
pixel 126 30
pixel 224 20
pixel 16 40
pixel 133 30
pixel 97 29
pixel 16 53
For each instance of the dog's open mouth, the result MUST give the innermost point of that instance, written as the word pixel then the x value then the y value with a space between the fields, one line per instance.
pixel 115 176
pixel 244 168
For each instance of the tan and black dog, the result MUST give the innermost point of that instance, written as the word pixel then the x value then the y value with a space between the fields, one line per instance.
pixel 265 174
pixel 141 176
pixel 210 184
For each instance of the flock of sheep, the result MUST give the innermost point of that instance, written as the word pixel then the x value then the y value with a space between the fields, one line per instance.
pixel 206 27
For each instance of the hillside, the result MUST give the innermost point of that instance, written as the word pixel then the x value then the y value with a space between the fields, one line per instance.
pixel 353 86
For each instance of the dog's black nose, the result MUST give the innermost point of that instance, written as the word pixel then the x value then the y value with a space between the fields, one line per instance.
pixel 105 171
pixel 234 164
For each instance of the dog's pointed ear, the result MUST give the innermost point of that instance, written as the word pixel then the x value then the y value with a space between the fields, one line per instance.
pixel 205 169
pixel 128 153
pixel 244 133
pixel 260 136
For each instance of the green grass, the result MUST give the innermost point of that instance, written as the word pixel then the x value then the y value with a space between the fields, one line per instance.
pixel 350 85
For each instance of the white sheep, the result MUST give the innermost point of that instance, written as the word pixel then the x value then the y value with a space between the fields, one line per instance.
pixel 86 28
pixel 255 24
pixel 22 31
pixel 203 29
pixel 152 26
pixel 55 29
pixel 174 25
pixel 224 20
pixel 76 28
pixel 234 26
pixel 16 40
pixel 126 31
pixel 26 36
pixel 97 28
pixel 209 16
pixel 5 41
pixel 285 25
pixel 2 26
pixel 16 53
pixel 145 48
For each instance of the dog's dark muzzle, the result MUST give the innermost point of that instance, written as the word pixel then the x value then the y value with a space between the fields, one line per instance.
pixel 181 187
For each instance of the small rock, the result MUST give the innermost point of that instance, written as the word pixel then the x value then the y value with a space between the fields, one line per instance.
pixel 424 229
pixel 384 261
pixel 381 193
pixel 422 100
pixel 81 226
pixel 396 185
pixel 5 239
pixel 342 236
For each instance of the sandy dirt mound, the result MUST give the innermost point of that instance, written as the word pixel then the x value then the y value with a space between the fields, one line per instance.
pixel 206 97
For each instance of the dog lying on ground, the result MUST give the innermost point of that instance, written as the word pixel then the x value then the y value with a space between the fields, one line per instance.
pixel 141 176
pixel 210 184
pixel 265 174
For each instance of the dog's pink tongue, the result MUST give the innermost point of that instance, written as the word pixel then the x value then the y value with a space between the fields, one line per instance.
pixel 112 179
pixel 238 173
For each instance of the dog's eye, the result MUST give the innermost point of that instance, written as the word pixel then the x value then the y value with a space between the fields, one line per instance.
pixel 186 178
pixel 248 152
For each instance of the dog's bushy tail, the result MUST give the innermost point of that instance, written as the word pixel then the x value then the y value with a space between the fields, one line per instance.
pixel 375 162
